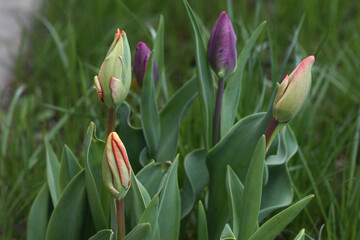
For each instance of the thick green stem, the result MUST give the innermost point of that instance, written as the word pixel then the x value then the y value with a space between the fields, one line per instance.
pixel 217 114
pixel 111 121
pixel 271 132
pixel 120 218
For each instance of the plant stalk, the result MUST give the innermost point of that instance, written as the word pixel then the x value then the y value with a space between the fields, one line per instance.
pixel 120 218
pixel 217 114
pixel 271 132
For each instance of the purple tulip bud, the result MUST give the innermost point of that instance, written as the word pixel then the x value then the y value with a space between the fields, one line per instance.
pixel 142 54
pixel 222 53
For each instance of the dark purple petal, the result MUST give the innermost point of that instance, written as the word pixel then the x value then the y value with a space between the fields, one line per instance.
pixel 222 52
pixel 141 58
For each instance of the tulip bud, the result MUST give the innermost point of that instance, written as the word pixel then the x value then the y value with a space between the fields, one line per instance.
pixel 292 91
pixel 116 167
pixel 222 53
pixel 141 58
pixel 114 79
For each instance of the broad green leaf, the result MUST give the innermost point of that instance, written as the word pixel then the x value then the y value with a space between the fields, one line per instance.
pixel 205 83
pixel 52 170
pixel 152 177
pixel 97 194
pixel 202 224
pixel 271 228
pixel 195 180
pixel 141 231
pixel 236 150
pixel 301 235
pixel 278 190
pixel 150 119
pixel 233 88
pixel 251 199
pixel 105 234
pixel 151 215
pixel 136 201
pixel 159 52
pixel 133 138
pixel 69 167
pixel 67 217
pixel 227 234
pixel 171 116
pixel 169 210
pixel 235 191
pixel 38 216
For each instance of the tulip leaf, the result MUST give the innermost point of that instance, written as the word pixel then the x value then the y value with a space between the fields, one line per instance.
pixel 136 201
pixel 251 199
pixel 133 138
pixel 233 89
pixel 227 234
pixel 236 150
pixel 69 167
pixel 171 117
pixel 195 180
pixel 97 194
pixel 38 216
pixel 151 215
pixel 169 209
pixel 52 170
pixel 141 231
pixel 278 191
pixel 205 83
pixel 235 190
pixel 271 228
pixel 152 177
pixel 150 119
pixel 159 52
pixel 105 234
pixel 67 217
pixel 301 235
pixel 202 224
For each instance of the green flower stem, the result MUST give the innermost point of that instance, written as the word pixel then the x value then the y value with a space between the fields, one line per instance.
pixel 217 114
pixel 120 218
pixel 117 209
pixel 271 132
pixel 114 226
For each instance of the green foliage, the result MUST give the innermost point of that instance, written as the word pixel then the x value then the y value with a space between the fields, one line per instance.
pixel 327 129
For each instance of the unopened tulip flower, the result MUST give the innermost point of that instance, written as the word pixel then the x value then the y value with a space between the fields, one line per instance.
pixel 116 167
pixel 141 58
pixel 221 50
pixel 292 91
pixel 114 79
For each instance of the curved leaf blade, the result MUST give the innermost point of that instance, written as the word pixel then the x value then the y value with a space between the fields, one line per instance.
pixel 69 167
pixel 235 190
pixel 38 216
pixel 97 195
pixel 271 228
pixel 52 170
pixel 141 231
pixel 202 224
pixel 171 117
pixel 105 234
pixel 227 234
pixel 169 209
pixel 205 83
pixel 233 88
pixel 67 217
pixel 251 199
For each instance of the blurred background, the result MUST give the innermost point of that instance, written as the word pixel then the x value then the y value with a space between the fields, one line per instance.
pixel 50 50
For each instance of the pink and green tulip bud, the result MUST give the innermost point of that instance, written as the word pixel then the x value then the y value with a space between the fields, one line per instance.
pixel 116 168
pixel 221 50
pixel 114 79
pixel 141 58
pixel 292 91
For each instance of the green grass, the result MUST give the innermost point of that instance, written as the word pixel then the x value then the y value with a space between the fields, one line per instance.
pixel 53 96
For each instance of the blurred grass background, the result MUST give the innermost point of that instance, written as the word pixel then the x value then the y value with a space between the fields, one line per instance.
pixel 52 95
